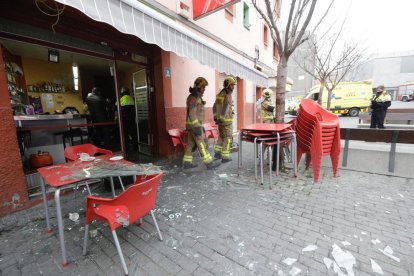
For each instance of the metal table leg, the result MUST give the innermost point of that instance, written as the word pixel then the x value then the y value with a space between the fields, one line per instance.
pixel 239 154
pixel 261 162
pixel 45 205
pixel 294 157
pixel 60 227
pixel 270 152
pixel 255 157
pixel 112 186
pixel 278 153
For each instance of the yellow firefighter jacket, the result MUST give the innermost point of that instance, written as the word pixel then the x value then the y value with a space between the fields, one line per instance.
pixel 195 112
pixel 266 110
pixel 223 108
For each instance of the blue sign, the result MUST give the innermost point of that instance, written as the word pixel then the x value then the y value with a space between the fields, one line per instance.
pixel 168 72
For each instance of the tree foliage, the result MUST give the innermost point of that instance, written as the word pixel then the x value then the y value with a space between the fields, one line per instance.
pixel 288 36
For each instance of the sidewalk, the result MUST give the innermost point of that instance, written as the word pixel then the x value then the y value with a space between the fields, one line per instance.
pixel 232 226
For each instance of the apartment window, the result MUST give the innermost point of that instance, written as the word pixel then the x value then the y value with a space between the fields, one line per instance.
pixel 275 51
pixel 265 35
pixel 246 16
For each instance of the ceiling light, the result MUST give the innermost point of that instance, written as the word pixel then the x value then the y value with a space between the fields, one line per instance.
pixel 75 70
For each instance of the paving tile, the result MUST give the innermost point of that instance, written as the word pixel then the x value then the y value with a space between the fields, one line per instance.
pixel 233 228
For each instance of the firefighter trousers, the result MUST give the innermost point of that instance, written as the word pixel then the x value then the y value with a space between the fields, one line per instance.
pixel 196 141
pixel 224 141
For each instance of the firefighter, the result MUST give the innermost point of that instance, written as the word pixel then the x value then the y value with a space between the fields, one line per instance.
pixel 267 107
pixel 194 126
pixel 223 116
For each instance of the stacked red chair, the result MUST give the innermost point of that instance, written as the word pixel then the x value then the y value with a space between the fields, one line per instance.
pixel 318 135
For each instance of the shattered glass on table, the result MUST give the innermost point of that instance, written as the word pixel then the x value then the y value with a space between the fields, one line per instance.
pixel 101 167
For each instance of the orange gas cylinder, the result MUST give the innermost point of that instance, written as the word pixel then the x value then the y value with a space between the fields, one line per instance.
pixel 41 159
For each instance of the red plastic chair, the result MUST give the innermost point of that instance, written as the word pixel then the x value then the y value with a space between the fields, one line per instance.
pixel 72 153
pixel 133 204
pixel 211 131
pixel 318 134
pixel 177 139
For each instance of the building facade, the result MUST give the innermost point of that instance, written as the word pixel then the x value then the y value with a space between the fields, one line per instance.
pixel 389 69
pixel 149 47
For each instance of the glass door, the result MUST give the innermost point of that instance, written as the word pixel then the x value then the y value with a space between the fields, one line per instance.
pixel 141 96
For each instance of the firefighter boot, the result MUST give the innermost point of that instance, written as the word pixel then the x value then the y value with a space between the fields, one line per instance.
pixel 212 165
pixel 188 165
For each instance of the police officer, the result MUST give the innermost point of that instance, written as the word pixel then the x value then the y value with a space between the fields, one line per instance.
pixel 194 126
pixel 379 105
pixel 267 107
pixel 223 116
pixel 128 118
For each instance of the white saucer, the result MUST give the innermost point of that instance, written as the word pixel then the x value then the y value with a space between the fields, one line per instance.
pixel 90 158
pixel 116 158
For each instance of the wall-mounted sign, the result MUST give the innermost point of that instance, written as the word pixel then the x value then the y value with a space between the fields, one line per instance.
pixel 203 8
pixel 53 56
pixel 167 72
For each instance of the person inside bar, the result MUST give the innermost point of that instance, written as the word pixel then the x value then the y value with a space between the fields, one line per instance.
pixel 128 119
pixel 98 114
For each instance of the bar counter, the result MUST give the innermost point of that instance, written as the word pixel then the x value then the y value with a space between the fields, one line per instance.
pixel 45 117
pixel 44 132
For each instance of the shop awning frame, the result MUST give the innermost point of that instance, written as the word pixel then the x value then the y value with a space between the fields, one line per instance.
pixel 133 17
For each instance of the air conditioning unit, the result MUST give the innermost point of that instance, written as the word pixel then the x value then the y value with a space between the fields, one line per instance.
pixel 184 8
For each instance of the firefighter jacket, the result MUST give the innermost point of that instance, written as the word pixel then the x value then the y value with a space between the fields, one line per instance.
pixel 195 113
pixel 223 108
pixel 266 110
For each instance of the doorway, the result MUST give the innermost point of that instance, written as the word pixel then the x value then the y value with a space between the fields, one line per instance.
pixel 141 97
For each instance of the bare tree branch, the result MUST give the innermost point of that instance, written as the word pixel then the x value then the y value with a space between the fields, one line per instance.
pixel 287 38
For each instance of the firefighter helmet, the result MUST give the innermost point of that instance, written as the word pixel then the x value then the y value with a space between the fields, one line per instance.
pixel 200 82
pixel 267 93
pixel 229 81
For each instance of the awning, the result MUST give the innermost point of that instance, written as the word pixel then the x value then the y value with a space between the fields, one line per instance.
pixel 133 17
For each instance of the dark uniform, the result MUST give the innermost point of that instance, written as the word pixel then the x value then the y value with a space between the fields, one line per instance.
pixel 128 119
pixel 98 114
pixel 379 106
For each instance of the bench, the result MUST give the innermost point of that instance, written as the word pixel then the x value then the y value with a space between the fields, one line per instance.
pixel 394 116
pixel 391 136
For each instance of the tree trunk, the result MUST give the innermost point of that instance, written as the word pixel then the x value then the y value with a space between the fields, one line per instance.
pixel 328 102
pixel 281 88
pixel 321 87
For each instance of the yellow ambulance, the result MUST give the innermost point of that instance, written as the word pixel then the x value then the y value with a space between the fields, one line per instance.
pixel 348 98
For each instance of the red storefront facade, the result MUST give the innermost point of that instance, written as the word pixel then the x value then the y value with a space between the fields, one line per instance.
pixel 19 17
